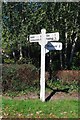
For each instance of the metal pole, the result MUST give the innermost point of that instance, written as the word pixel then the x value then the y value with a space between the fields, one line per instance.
pixel 42 78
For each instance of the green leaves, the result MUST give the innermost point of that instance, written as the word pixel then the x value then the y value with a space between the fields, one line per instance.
pixel 22 19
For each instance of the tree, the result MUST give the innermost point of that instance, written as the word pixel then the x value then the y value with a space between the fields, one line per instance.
pixel 22 19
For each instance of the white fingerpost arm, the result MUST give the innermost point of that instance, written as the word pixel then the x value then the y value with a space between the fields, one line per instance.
pixel 42 77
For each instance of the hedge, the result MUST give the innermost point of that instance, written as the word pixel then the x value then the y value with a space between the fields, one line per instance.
pixel 19 77
pixel 67 75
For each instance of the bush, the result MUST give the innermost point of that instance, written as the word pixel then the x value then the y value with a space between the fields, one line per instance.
pixel 67 75
pixel 61 85
pixel 19 77
pixel 8 61
pixel 24 61
pixel 65 79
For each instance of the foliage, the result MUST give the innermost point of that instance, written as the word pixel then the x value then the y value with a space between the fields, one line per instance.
pixel 9 61
pixel 66 75
pixel 25 77
pixel 19 77
pixel 23 61
pixel 22 19
pixel 36 109
pixel 63 85
pixel 73 67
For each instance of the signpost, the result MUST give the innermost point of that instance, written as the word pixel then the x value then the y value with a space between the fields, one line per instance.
pixel 49 37
pixel 35 38
pixel 52 36
pixel 44 40
pixel 53 46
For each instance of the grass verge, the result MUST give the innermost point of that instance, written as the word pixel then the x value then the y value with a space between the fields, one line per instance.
pixel 37 109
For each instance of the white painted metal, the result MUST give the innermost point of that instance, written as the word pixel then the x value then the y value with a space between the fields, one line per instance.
pixel 42 78
pixel 43 40
pixel 53 46
pixel 49 37
pixel 46 51
pixel 35 38
pixel 52 36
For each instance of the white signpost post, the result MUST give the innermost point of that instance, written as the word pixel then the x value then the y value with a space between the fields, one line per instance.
pixel 44 40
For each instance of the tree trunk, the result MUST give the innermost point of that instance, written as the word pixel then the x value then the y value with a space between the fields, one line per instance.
pixel 74 39
pixel 21 55
pixel 50 64
pixel 61 62
pixel 72 50
pixel 65 55
pixel 14 56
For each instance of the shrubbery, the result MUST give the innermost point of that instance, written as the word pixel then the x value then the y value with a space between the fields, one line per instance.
pixel 68 75
pixel 19 77
pixel 26 76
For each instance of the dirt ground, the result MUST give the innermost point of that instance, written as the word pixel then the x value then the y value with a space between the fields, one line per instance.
pixel 49 96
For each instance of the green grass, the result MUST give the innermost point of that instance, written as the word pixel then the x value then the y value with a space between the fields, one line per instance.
pixel 0 105
pixel 37 109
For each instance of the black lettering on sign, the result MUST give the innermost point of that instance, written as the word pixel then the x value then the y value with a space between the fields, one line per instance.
pixel 32 37
pixel 55 46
